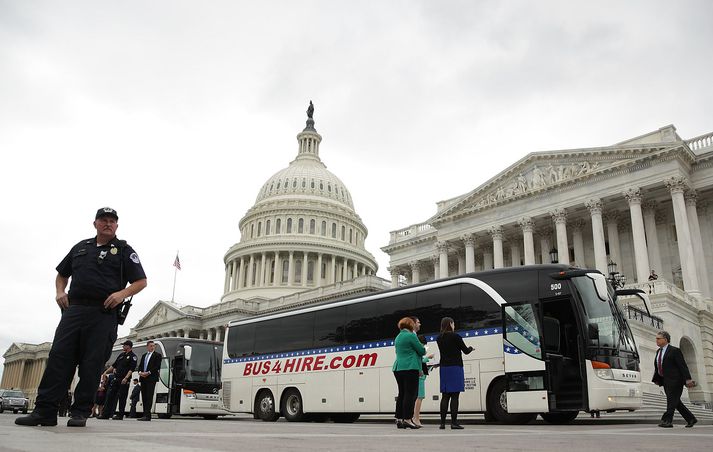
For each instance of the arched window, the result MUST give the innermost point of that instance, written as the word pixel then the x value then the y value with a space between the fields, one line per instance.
pixel 310 272
pixel 301 226
pixel 343 232
pixel 252 230
pixel 334 230
pixel 259 228
pixel 350 235
pixel 323 231
pixel 298 272
pixel 285 271
pixel 289 225
pixel 311 226
pixel 267 227
pixel 278 226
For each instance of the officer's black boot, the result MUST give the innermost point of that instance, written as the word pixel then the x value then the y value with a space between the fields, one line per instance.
pixel 77 420
pixel 34 419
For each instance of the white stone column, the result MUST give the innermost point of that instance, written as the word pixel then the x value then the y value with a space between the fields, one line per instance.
pixel 488 261
pixel 291 269
pixel 695 229
pixel 305 263
pixel 528 240
pixel 186 334
pixel 515 258
pixel 652 238
pixel 559 216
pixel 234 274
pixel 355 270
pixel 251 270
pixel 496 232
pixel 415 272
pixel 469 242
pixel 228 270
pixel 545 234
pixel 641 254
pixel 241 272
pixel 612 219
pixel 394 277
pixel 677 185
pixel 436 260
pixel 578 243
pixel 261 275
pixel 442 248
pixel 600 251
pixel 345 264
pixel 460 254
pixel 333 273
pixel 318 273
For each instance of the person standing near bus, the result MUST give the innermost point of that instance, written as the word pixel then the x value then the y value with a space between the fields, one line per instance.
pixel 135 394
pixel 409 353
pixel 123 367
pixel 423 373
pixel 450 346
pixel 149 367
pixel 100 268
pixel 671 372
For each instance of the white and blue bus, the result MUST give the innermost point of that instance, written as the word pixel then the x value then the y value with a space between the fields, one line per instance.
pixel 189 381
pixel 548 339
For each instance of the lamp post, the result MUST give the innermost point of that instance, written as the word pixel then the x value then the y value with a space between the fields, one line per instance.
pixel 554 256
pixel 615 278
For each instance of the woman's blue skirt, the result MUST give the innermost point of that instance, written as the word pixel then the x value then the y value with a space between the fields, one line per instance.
pixel 452 379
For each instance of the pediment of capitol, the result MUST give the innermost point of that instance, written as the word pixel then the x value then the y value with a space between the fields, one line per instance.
pixel 540 172
pixel 162 312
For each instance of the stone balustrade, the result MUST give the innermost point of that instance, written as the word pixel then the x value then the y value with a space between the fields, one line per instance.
pixel 411 232
pixel 701 142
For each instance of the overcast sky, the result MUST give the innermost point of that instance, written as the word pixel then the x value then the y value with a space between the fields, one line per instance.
pixel 175 113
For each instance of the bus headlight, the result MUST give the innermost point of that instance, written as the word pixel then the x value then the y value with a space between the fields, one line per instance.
pixel 189 394
pixel 604 374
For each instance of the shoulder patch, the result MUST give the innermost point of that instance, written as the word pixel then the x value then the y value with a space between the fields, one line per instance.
pixel 134 357
pixel 134 258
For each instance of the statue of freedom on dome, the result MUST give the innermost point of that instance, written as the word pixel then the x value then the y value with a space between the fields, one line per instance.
pixel 310 110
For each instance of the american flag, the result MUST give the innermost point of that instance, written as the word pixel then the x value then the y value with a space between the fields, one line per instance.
pixel 177 263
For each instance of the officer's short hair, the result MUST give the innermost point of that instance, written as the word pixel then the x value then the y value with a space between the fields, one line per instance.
pixel 665 335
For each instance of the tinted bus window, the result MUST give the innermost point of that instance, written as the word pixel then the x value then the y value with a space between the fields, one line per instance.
pixel 377 319
pixel 268 337
pixel 434 304
pixel 477 309
pixel 394 310
pixel 241 340
pixel 296 332
pixel 513 287
pixel 329 327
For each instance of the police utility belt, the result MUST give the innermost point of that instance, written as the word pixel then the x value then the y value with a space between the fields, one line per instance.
pixel 122 310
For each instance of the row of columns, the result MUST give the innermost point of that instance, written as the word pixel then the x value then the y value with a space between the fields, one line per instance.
pixel 211 334
pixel 644 235
pixel 266 270
pixel 23 373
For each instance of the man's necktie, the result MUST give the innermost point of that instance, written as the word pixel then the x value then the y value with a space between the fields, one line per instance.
pixel 659 362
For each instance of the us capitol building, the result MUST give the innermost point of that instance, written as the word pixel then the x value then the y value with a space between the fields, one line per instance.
pixel 628 209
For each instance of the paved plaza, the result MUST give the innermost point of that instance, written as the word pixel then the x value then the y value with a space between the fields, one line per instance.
pixel 245 434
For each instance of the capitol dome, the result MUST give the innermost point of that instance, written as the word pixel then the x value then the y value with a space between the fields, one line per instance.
pixel 302 232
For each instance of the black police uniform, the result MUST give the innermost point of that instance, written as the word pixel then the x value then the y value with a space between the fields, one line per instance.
pixel 86 331
pixel 124 363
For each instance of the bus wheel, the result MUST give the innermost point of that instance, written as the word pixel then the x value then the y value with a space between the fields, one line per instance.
pixel 497 406
pixel 292 405
pixel 164 415
pixel 345 418
pixel 564 417
pixel 265 406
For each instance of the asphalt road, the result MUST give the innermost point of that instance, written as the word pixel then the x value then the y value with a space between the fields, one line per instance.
pixel 246 434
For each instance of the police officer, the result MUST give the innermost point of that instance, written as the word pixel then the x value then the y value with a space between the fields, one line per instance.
pixel 100 268
pixel 123 367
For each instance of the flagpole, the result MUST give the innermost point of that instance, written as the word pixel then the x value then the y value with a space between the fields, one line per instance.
pixel 175 272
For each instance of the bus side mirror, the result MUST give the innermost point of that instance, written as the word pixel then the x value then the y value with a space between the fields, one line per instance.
pixel 593 331
pixel 187 352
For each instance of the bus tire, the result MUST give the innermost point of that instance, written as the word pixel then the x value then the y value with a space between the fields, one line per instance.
pixel 564 417
pixel 345 418
pixel 265 406
pixel 498 409
pixel 292 406
pixel 164 415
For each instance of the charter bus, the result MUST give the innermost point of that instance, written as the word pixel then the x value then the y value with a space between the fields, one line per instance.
pixel 548 339
pixel 189 381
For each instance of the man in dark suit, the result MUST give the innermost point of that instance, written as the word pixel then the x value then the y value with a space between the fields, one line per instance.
pixel 149 367
pixel 671 372
pixel 135 394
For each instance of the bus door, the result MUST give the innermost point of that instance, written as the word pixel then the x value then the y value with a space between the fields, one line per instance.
pixel 562 350
pixel 523 358
pixel 178 370
pixel 165 381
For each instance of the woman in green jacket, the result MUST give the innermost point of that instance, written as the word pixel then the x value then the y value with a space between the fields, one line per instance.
pixel 409 354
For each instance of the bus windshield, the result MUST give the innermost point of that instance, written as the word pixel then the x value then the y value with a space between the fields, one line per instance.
pixel 605 316
pixel 203 365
